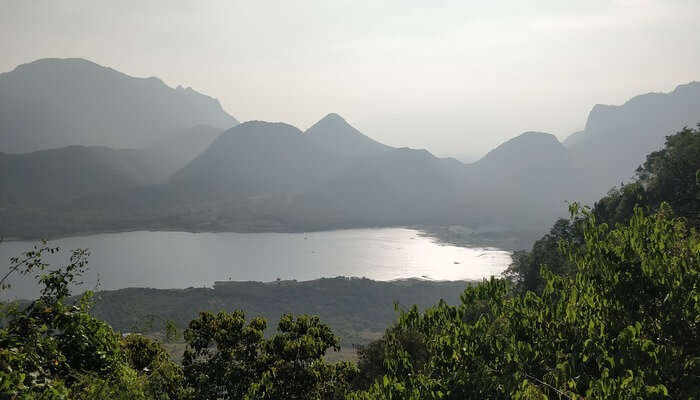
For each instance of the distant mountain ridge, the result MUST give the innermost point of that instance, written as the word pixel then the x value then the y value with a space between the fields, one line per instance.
pixel 53 103
pixel 179 148
pixel 532 171
pixel 616 139
pixel 333 134
pixel 48 178
pixel 265 176
pixel 257 158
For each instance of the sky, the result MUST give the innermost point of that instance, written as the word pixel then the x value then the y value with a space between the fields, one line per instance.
pixel 454 77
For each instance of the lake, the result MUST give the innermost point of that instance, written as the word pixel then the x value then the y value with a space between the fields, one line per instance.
pixel 182 259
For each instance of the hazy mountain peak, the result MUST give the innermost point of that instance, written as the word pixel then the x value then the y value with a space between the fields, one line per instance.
pixel 649 106
pixel 526 145
pixel 333 118
pixel 690 86
pixel 529 135
pixel 53 103
pixel 265 127
pixel 331 123
pixel 51 62
pixel 617 138
pixel 531 138
pixel 335 135
pixel 256 158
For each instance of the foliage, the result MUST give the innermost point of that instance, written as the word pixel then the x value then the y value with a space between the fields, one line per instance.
pixel 228 358
pixel 618 205
pixel 669 175
pixel 51 349
pixel 221 358
pixel 525 266
pixel 171 332
pixel 29 261
pixel 624 325
pixel 371 358
pixel 164 378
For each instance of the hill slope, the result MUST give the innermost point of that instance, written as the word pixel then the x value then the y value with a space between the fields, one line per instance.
pixel 396 187
pixel 533 172
pixel 179 148
pixel 51 177
pixel 332 134
pixel 257 158
pixel 53 103
pixel 617 138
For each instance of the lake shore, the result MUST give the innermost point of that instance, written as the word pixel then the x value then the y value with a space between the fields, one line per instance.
pixel 457 235
pixel 180 259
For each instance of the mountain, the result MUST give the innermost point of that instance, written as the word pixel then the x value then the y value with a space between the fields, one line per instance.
pixel 53 103
pixel 302 181
pixel 333 135
pixel 187 172
pixel 258 158
pixel 49 178
pixel 616 139
pixel 396 187
pixel 532 172
pixel 179 148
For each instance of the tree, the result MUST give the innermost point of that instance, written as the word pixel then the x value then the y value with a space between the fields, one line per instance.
pixel 229 359
pixel 670 174
pixel 221 359
pixel 525 267
pixel 165 379
pixel 171 332
pixel 52 349
pixel 372 358
pixel 624 325
pixel 293 364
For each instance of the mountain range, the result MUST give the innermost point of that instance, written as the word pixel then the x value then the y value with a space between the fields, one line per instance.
pixel 131 153
pixel 617 138
pixel 52 103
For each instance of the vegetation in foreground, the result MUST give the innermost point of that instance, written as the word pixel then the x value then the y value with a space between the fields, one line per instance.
pixel 619 319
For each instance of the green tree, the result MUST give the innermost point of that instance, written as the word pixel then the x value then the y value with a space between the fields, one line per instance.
pixel 164 378
pixel 221 359
pixel 372 358
pixel 171 332
pixel 228 358
pixel 53 348
pixel 525 267
pixel 293 364
pixel 669 175
pixel 624 325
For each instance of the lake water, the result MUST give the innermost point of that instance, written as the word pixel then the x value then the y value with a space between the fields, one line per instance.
pixel 181 259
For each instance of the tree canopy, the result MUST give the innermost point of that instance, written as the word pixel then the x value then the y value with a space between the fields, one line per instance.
pixel 623 325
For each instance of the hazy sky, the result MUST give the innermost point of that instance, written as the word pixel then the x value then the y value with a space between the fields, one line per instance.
pixel 455 77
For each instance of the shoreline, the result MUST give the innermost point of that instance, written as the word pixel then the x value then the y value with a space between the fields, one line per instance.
pixel 439 233
pixel 286 283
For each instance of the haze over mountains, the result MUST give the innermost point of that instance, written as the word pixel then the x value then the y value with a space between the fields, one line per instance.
pixel 617 138
pixel 53 103
pixel 191 166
